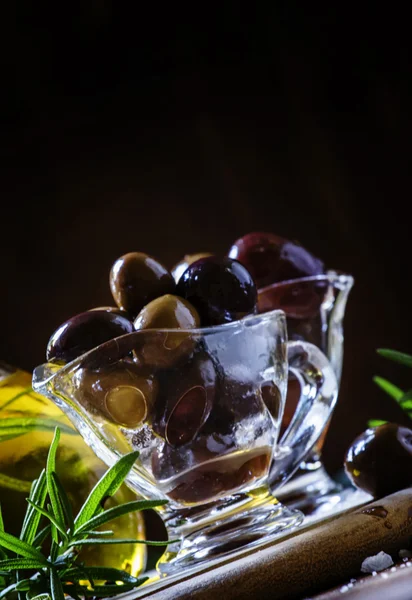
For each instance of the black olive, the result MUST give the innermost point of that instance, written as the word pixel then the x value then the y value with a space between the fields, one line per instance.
pixel 379 461
pixel 84 332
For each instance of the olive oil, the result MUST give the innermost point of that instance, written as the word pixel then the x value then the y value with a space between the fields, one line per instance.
pixel 27 423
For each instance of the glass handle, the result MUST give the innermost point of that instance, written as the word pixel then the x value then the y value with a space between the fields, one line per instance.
pixel 319 391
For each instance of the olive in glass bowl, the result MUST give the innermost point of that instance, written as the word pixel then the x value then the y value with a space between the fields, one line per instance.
pixel 221 289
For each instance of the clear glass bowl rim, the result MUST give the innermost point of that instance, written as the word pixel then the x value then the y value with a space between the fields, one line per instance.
pixel 332 277
pixel 248 321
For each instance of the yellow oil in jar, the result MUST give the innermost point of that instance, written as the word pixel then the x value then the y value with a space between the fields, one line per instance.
pixel 27 422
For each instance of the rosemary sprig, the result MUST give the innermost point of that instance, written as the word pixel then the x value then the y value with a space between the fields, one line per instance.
pixel 403 398
pixel 26 573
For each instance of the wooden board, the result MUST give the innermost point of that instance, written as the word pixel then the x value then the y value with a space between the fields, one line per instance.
pixel 394 583
pixel 305 562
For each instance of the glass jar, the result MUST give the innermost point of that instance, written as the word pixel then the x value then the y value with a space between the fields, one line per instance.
pixel 27 423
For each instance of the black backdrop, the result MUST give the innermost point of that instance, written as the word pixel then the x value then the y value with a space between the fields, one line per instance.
pixel 176 132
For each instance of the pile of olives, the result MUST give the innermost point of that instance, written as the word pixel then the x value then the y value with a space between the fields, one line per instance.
pixel 201 290
pixel 170 381
pixel 166 378
pixel 211 291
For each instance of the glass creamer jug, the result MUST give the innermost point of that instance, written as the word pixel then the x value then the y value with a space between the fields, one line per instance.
pixel 204 407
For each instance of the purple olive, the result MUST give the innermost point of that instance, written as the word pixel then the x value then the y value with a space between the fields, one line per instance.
pixel 180 267
pixel 379 461
pixel 270 258
pixel 84 332
pixel 185 399
pixel 221 289
pixel 237 400
pixel 207 479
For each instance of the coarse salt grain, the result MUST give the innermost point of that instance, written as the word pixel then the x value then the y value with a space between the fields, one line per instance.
pixel 376 563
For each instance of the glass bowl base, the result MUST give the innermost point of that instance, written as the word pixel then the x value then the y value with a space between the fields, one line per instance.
pixel 317 495
pixel 242 523
pixel 329 504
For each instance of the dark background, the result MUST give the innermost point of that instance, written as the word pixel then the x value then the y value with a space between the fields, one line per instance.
pixel 176 132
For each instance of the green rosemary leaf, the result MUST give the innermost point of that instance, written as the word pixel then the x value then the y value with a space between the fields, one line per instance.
pixel 51 486
pixel 65 576
pixel 98 574
pixel 1 520
pixel 32 518
pixel 42 535
pixel 64 501
pixel 54 548
pixel 406 401
pixel 51 518
pixel 11 483
pixel 16 426
pixel 96 541
pixel 4 593
pixel 399 357
pixel 118 511
pixel 106 487
pixel 74 574
pixel 12 564
pixel 10 542
pixel 54 536
pixel 97 533
pixel 56 587
pixel 388 387
pixel 33 492
pixel 23 585
pixel 376 423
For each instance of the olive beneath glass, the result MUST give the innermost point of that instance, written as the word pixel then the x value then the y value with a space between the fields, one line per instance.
pixel 206 418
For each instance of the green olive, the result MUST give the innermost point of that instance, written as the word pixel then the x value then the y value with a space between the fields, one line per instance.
pixel 164 348
pixel 121 392
pixel 136 279
pixel 168 312
pixel 127 404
